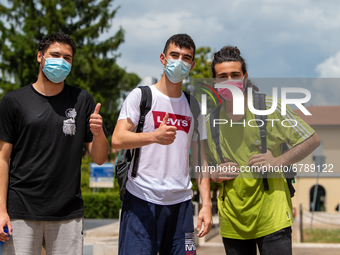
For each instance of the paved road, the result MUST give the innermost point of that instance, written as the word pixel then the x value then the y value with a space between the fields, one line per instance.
pixel 94 223
pixel 215 246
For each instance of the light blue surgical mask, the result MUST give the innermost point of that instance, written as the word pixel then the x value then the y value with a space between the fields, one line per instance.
pixel 176 70
pixel 56 69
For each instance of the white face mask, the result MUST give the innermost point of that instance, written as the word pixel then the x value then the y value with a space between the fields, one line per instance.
pixel 56 69
pixel 176 70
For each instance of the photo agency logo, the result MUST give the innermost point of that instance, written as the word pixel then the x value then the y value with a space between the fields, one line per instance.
pixel 239 97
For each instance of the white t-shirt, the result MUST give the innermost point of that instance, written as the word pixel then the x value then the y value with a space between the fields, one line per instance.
pixel 163 171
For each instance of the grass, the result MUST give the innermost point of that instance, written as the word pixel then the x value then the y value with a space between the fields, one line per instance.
pixel 318 235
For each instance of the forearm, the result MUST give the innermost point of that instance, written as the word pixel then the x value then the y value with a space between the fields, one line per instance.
pixel 203 185
pixel 3 185
pixel 99 148
pixel 126 139
pixel 202 178
pixel 300 151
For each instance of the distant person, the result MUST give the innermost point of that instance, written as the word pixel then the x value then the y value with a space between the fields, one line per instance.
pixel 249 215
pixel 43 128
pixel 157 212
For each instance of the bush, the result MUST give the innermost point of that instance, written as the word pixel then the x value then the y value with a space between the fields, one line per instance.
pixel 101 205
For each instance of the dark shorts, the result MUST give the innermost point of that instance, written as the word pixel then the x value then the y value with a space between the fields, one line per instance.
pixel 147 228
pixel 278 243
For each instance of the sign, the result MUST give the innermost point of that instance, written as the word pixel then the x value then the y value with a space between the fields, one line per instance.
pixel 238 100
pixel 101 176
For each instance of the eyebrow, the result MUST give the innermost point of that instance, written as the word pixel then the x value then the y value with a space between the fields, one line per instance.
pixel 186 55
pixel 56 52
pixel 236 72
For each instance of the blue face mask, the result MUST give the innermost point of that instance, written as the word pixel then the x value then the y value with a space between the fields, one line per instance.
pixel 56 69
pixel 176 70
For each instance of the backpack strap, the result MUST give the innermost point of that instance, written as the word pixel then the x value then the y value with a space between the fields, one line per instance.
pixel 289 174
pixel 260 104
pixel 145 106
pixel 215 130
pixel 195 110
pixel 215 134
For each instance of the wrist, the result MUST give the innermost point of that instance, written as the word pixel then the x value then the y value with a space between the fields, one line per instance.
pixel 207 204
pixel 279 161
pixel 99 133
pixel 3 211
pixel 153 137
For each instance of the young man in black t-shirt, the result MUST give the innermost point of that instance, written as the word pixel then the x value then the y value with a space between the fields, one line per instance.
pixel 43 127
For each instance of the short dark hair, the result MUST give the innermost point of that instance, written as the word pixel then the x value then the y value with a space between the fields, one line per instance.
pixel 228 54
pixel 181 40
pixel 57 37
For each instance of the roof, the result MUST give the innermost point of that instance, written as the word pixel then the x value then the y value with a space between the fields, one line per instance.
pixel 321 115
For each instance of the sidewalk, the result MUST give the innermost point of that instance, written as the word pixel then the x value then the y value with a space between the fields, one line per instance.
pixel 105 242
pixel 215 245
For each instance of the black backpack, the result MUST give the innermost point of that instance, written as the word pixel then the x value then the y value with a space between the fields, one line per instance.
pixel 125 157
pixel 260 104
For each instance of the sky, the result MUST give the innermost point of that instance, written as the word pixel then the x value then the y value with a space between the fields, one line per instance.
pixel 278 38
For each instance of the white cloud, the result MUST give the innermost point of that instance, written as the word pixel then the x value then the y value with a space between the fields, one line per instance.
pixel 279 38
pixel 330 68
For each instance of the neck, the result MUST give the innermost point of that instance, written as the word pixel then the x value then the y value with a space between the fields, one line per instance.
pixel 229 109
pixel 168 88
pixel 46 87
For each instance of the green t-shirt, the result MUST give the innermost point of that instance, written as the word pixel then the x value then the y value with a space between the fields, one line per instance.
pixel 248 211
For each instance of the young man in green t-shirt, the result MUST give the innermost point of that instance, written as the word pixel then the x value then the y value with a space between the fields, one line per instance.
pixel 249 215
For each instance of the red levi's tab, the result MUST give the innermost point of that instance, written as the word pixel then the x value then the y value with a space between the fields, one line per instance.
pixel 181 122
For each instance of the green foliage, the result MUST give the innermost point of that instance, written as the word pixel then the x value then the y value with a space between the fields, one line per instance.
pixel 203 58
pixel 201 74
pixel 26 22
pixel 101 205
pixel 85 174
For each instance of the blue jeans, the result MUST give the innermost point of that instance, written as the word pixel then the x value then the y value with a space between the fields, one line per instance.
pixel 278 243
pixel 147 228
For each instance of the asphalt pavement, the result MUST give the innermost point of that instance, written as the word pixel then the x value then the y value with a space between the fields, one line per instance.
pixel 105 230
pixel 92 224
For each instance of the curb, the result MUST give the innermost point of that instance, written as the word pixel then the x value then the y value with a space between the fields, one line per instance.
pixel 316 245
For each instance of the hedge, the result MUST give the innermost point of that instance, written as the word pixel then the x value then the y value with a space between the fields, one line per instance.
pixel 101 205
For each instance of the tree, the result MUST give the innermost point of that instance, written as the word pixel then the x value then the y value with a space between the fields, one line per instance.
pixel 203 58
pixel 24 23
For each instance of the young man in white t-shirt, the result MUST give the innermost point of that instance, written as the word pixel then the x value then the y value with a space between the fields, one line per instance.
pixel 157 210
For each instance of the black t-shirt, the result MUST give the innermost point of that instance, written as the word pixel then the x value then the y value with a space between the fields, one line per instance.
pixel 47 134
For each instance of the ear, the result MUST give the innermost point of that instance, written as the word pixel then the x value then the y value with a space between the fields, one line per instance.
pixel 162 59
pixel 192 65
pixel 39 57
pixel 246 75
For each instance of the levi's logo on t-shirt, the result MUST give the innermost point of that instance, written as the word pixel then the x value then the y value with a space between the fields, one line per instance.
pixel 181 122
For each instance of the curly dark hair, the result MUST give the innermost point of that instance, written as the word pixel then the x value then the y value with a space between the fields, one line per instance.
pixel 231 54
pixel 57 37
pixel 228 54
pixel 181 40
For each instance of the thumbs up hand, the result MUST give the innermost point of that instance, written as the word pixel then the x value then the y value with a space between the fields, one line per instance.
pixel 165 134
pixel 96 121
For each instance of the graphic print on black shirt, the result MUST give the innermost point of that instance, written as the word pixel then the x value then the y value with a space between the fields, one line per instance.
pixel 69 126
